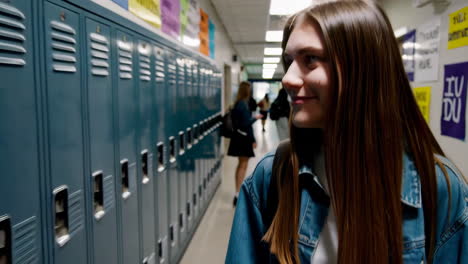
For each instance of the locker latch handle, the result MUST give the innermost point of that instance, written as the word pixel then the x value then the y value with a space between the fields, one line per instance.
pixel 181 143
pixel 144 166
pixel 189 138
pixel 160 250
pixel 62 235
pixel 98 195
pixel 195 134
pixel 5 240
pixel 172 150
pixel 125 178
pixel 160 148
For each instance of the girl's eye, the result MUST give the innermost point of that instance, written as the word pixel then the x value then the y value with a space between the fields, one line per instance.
pixel 310 60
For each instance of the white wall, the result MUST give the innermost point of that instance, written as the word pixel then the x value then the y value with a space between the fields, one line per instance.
pixel 402 13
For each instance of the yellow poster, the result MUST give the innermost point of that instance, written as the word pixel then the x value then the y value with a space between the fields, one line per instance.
pixel 423 98
pixel 458 29
pixel 148 10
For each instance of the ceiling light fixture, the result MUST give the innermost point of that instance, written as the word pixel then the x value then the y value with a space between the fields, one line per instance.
pixel 273 51
pixel 274 36
pixel 271 60
pixel 284 8
pixel 270 66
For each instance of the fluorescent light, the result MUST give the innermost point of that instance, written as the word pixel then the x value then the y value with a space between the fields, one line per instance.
pixel 273 51
pixel 274 36
pixel 267 72
pixel 271 60
pixel 270 66
pixel 400 32
pixel 266 76
pixel 283 8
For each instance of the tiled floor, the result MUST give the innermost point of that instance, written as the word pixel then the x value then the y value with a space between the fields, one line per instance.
pixel 209 244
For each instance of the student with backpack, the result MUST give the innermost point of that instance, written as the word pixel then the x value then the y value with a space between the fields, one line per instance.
pixel 363 179
pixel 279 112
pixel 242 138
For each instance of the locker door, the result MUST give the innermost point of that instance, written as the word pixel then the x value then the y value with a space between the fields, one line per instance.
pixel 182 117
pixel 20 215
pixel 102 175
pixel 196 148
pixel 161 182
pixel 172 153
pixel 127 114
pixel 146 150
pixel 65 133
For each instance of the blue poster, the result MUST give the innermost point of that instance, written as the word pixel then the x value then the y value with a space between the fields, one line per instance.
pixel 409 42
pixel 122 3
pixel 211 33
pixel 452 122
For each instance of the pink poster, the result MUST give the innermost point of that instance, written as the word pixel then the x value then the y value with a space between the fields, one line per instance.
pixel 170 12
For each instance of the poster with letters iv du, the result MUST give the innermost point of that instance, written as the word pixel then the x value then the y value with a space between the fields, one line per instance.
pixel 408 45
pixel 427 52
pixel 453 119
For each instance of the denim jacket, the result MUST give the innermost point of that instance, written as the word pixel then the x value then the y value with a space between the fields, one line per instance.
pixel 245 245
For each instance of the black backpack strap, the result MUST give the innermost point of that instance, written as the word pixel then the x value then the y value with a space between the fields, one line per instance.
pixel 272 196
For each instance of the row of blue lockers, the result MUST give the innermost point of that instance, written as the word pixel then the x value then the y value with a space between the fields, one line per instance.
pixel 109 141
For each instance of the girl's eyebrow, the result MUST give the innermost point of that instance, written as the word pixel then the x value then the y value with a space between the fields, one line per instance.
pixel 302 51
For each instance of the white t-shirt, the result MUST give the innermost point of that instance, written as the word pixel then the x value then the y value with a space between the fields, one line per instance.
pixel 327 247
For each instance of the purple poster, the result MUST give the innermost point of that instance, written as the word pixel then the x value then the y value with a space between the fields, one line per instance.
pixel 453 121
pixel 409 42
pixel 170 14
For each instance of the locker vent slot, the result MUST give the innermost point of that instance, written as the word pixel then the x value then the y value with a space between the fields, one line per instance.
pixel 125 60
pixel 5 240
pixel 160 148
pixel 125 179
pixel 172 150
pixel 159 65
pixel 25 240
pixel 99 54
pixel 144 166
pixel 62 234
pixel 181 76
pixel 63 43
pixel 171 70
pixel 98 195
pixel 181 143
pixel 76 212
pixel 109 197
pixel 145 68
pixel 12 49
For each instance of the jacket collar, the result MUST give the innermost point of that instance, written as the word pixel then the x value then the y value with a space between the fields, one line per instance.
pixel 411 184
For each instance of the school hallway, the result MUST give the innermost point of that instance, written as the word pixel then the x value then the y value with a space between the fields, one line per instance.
pixel 210 241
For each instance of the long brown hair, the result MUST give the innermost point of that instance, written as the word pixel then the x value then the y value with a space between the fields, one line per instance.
pixel 372 119
pixel 244 91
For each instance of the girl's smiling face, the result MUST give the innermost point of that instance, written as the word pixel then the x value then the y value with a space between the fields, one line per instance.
pixel 308 76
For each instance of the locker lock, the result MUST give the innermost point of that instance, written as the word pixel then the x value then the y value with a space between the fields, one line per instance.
pixel 62 235
pixel 5 240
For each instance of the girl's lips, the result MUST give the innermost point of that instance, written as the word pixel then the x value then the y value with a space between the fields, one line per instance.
pixel 302 99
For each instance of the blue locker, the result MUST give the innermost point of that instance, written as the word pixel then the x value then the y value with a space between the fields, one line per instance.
pixel 160 167
pixel 147 146
pixel 195 146
pixel 65 133
pixel 126 120
pixel 189 164
pixel 172 155
pixel 102 176
pixel 20 215
pixel 182 121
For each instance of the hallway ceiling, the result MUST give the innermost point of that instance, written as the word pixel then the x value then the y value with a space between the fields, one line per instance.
pixel 246 22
